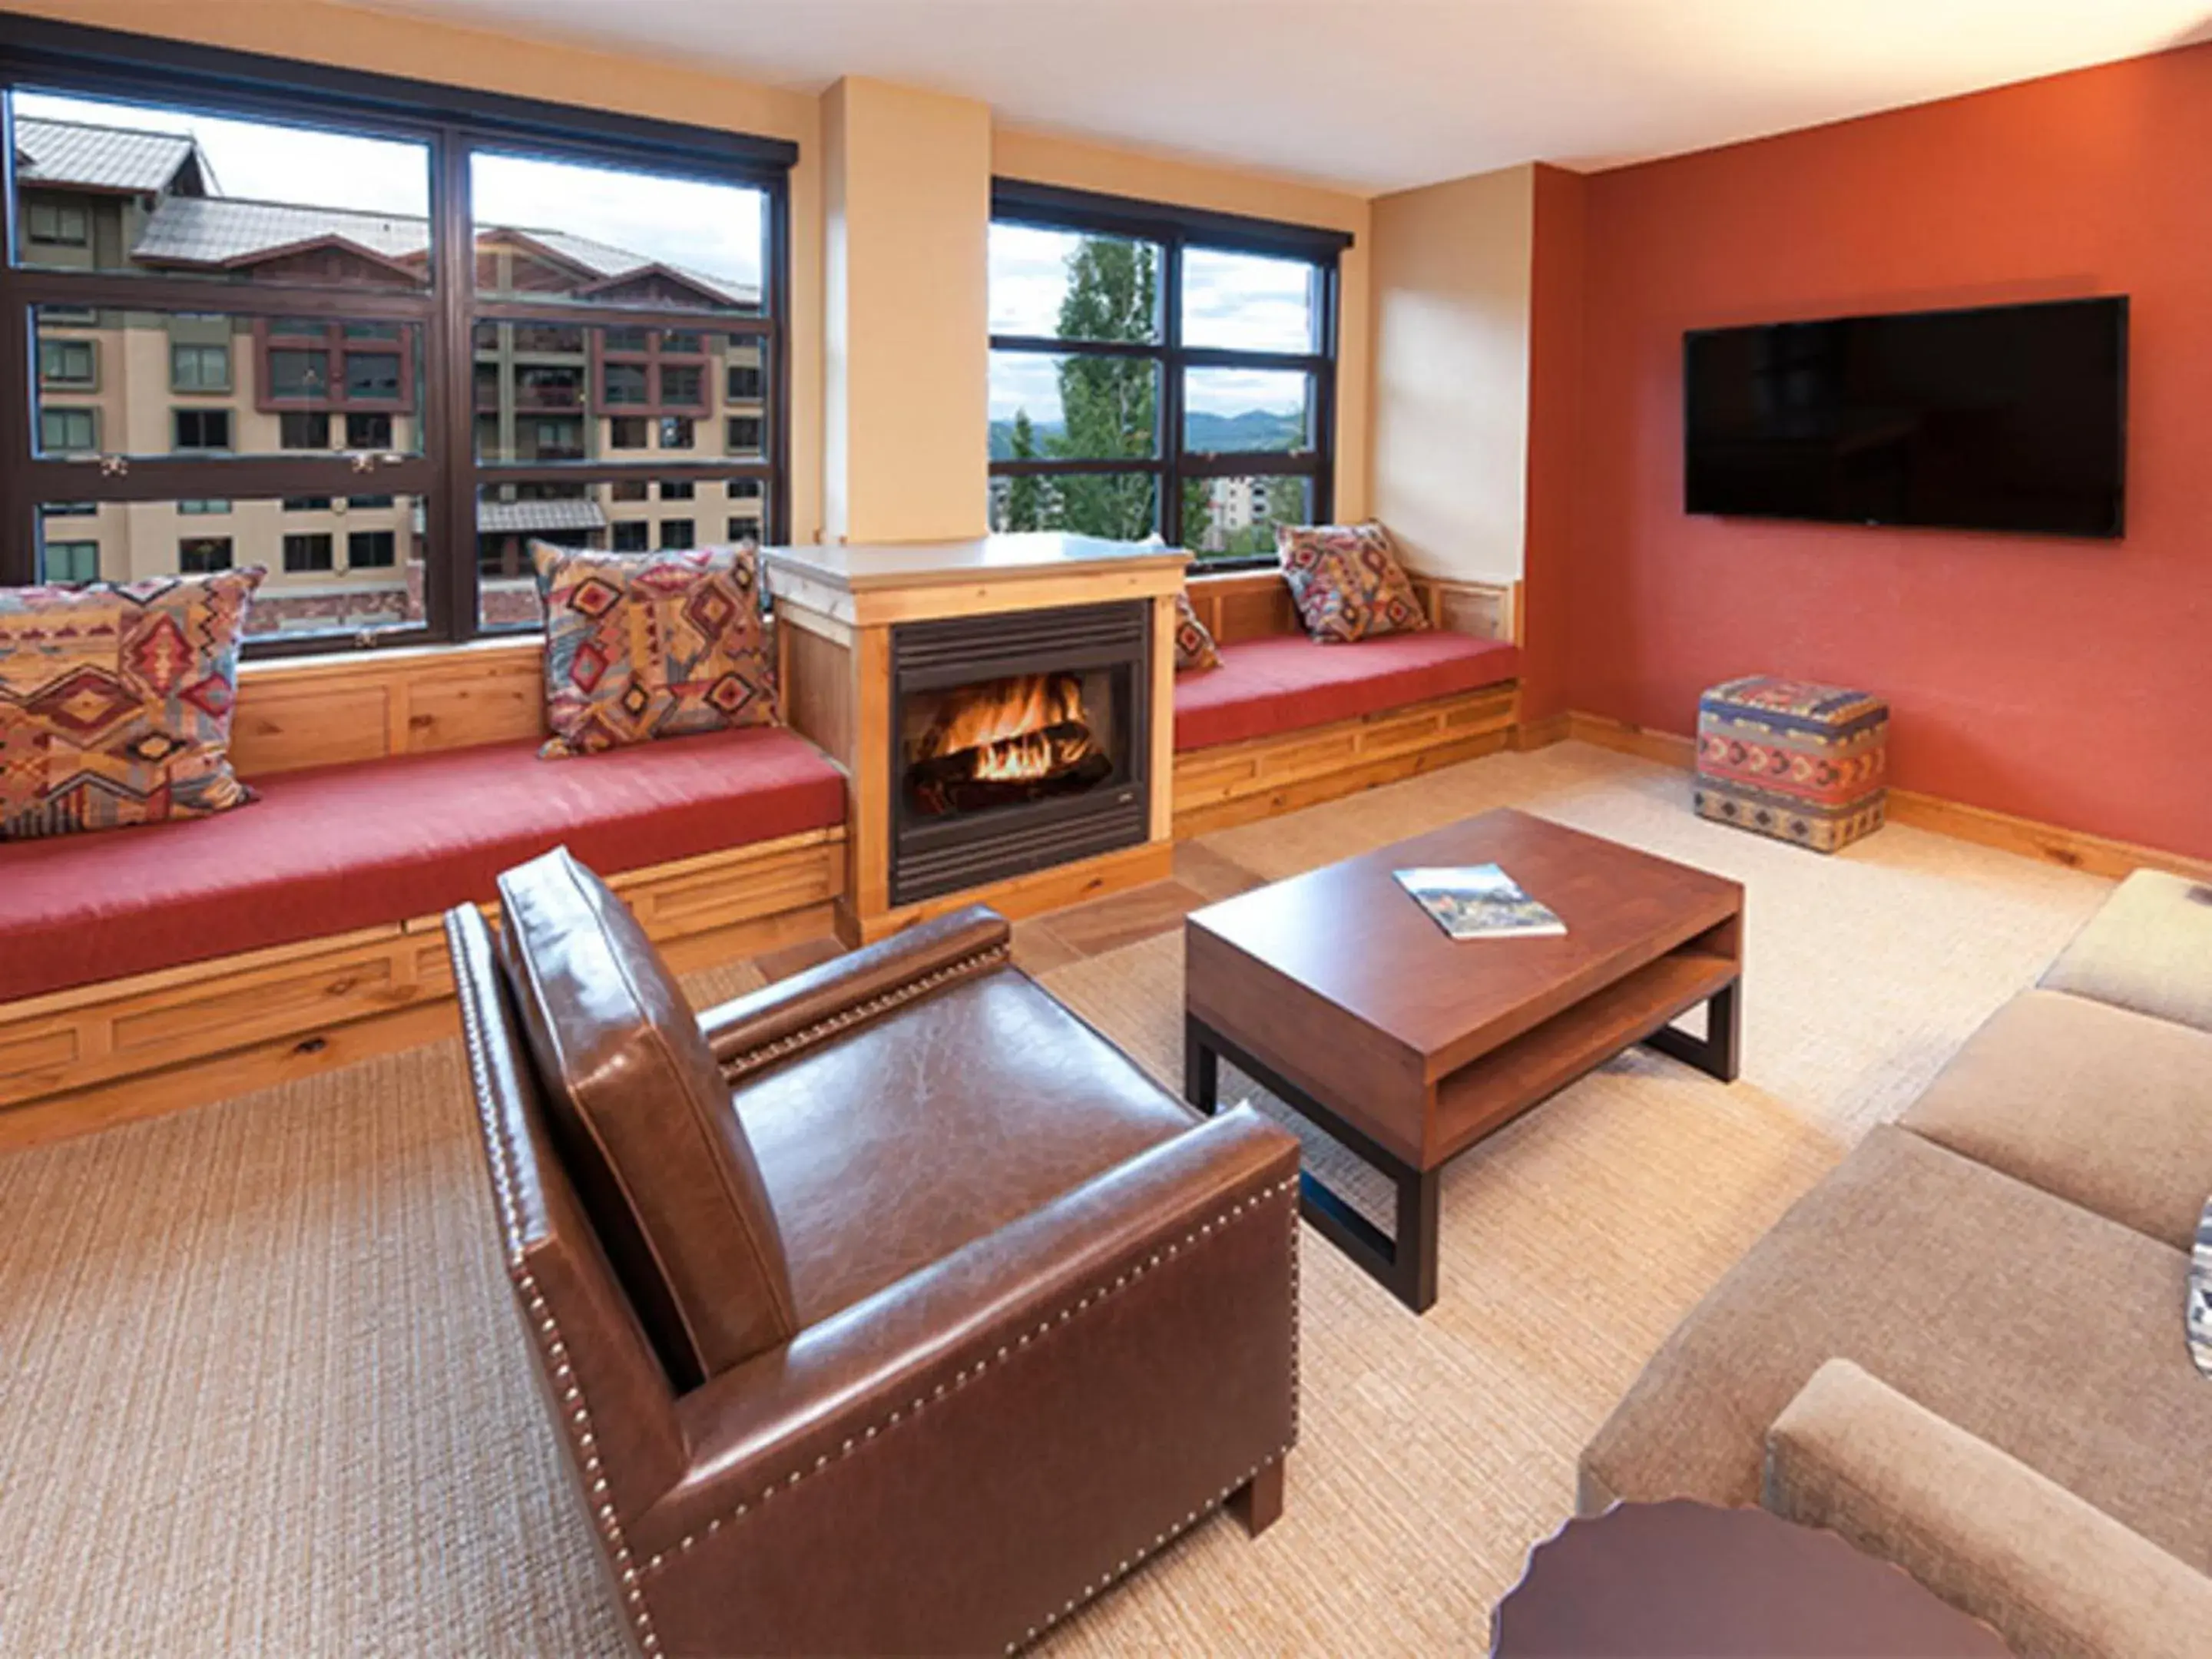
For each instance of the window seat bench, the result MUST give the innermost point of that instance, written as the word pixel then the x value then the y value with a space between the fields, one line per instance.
pixel 1286 722
pixel 142 969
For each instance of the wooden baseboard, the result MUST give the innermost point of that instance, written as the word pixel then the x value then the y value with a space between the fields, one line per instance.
pixel 99 1055
pixel 1541 734
pixel 1064 884
pixel 2074 849
pixel 1235 783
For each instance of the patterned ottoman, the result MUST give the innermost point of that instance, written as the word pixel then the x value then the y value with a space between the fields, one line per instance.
pixel 1797 761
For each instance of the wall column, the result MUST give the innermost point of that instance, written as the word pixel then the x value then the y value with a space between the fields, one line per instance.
pixel 906 411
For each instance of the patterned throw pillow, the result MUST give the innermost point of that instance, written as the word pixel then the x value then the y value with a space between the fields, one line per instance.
pixel 1195 648
pixel 1346 581
pixel 640 646
pixel 115 701
pixel 2199 1315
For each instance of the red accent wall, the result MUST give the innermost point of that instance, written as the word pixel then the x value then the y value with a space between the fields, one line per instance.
pixel 2066 681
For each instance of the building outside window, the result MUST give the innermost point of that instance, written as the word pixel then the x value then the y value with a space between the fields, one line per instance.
pixel 71 561
pixel 200 429
pixel 68 363
pixel 632 536
pixel 69 431
pixel 676 533
pixel 573 284
pixel 677 489
pixel 306 553
pixel 199 367
pixel 1157 370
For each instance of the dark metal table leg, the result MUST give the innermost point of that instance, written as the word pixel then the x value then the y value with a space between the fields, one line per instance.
pixel 1201 1068
pixel 1716 1053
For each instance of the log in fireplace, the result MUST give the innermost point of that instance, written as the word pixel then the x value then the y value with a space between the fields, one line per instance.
pixel 1021 741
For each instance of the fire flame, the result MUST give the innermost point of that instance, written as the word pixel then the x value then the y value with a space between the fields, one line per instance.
pixel 1027 727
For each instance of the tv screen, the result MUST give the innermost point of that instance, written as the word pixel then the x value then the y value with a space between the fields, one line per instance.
pixel 2007 417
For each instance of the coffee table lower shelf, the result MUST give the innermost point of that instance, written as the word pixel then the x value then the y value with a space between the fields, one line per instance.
pixel 1482 1097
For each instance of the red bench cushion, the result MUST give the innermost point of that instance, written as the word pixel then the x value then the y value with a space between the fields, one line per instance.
pixel 1286 682
pixel 327 851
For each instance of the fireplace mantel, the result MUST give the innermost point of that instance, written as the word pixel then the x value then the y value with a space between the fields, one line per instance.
pixel 835 609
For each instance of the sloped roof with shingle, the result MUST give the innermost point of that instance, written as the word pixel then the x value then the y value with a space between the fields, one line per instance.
pixel 99 157
pixel 220 230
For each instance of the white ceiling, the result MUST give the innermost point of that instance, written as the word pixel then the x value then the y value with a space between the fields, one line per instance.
pixel 1382 94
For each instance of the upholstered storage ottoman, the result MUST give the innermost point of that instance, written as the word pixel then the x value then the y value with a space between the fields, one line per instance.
pixel 1801 762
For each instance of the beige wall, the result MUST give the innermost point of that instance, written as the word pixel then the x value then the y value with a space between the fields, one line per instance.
pixel 907 215
pixel 317 31
pixel 1047 159
pixel 1449 437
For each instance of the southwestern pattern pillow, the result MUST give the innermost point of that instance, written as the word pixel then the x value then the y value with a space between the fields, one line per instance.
pixel 1346 581
pixel 1194 645
pixel 640 646
pixel 115 703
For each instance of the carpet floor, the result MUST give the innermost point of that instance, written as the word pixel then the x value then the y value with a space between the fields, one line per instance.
pixel 261 1388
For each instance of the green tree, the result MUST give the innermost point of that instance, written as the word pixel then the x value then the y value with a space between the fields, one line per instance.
pixel 1024 494
pixel 1110 405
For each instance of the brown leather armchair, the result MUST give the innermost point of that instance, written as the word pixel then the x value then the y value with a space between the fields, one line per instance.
pixel 887 1310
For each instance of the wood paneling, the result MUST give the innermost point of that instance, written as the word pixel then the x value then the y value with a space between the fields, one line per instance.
pixel 1234 783
pixel 2074 849
pixel 330 711
pixel 1064 884
pixel 166 1039
pixel 1253 604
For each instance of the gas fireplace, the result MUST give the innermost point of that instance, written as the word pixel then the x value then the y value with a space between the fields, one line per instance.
pixel 1021 742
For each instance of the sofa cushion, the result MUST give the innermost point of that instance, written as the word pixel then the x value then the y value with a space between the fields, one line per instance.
pixel 340 848
pixel 115 703
pixel 1346 581
pixel 2149 949
pixel 1285 682
pixel 936 1124
pixel 2049 1332
pixel 644 1122
pixel 2050 1573
pixel 2106 1108
pixel 640 646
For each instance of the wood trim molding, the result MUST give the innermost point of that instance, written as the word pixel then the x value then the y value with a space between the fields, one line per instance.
pixel 98 1055
pixel 1234 783
pixel 2072 849
pixel 1249 605
pixel 337 710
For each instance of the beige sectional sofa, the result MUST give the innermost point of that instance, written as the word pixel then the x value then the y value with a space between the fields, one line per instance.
pixel 1964 1349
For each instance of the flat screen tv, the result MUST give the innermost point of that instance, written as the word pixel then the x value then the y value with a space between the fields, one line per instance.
pixel 2006 417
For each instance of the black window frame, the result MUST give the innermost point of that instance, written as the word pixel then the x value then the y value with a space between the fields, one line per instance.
pixel 453 123
pixel 1175 230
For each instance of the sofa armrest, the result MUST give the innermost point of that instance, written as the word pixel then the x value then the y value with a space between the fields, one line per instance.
pixel 1005 1431
pixel 2050 1572
pixel 845 990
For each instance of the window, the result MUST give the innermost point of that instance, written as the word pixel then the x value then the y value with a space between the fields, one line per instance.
pixel 200 429
pixel 743 434
pixel 742 530
pixel 69 362
pixel 369 432
pixel 303 431
pixel 744 382
pixel 675 490
pixel 199 368
pixel 278 266
pixel 675 532
pixel 69 431
pixel 632 536
pixel 71 561
pixel 53 224
pixel 629 489
pixel 306 553
pixel 1157 370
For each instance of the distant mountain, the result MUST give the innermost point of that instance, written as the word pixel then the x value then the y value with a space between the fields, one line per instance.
pixel 1255 429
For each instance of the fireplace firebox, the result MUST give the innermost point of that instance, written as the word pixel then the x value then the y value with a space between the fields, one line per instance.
pixel 1020 741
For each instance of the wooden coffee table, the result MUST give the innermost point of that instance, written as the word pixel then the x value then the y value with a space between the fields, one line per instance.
pixel 1336 990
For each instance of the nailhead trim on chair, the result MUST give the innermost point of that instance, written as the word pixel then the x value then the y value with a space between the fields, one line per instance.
pixel 752 1060
pixel 1045 1326
pixel 546 1330
pixel 1121 1569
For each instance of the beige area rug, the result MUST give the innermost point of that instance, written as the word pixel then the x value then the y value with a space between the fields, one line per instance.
pixel 261 1388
